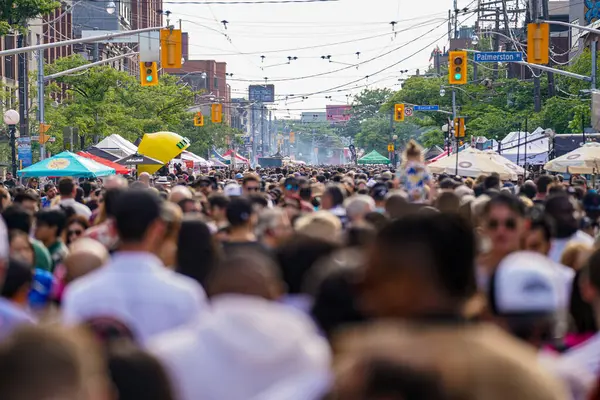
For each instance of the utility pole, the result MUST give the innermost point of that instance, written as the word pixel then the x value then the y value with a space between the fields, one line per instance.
pixel 497 42
pixel 391 154
pixel 537 100
pixel 252 121
pixel 41 90
pixel 455 19
pixel 23 87
pixel 546 15
pixel 449 25
pixel 269 145
pixel 96 53
pixel 262 130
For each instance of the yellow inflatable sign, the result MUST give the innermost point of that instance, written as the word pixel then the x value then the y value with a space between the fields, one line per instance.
pixel 162 146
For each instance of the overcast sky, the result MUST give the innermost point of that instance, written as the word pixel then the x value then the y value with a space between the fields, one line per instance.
pixel 309 31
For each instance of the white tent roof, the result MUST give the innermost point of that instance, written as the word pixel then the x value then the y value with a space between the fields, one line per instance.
pixel 189 156
pixel 117 145
pixel 518 144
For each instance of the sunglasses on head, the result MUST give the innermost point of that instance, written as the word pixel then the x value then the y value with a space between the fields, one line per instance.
pixel 510 224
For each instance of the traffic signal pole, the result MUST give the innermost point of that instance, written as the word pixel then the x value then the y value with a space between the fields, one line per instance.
pixel 100 38
pixel 86 66
pixel 453 119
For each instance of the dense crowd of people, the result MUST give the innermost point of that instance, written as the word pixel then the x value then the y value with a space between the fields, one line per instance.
pixel 300 283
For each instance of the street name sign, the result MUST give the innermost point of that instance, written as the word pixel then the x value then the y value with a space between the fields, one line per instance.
pixel 426 108
pixel 498 56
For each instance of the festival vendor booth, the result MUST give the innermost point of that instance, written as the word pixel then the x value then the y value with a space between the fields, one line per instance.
pixel 162 146
pixel 583 160
pixel 238 159
pixel 471 162
pixel 526 148
pixel 374 158
pixel 66 164
pixel 117 145
pixel 119 169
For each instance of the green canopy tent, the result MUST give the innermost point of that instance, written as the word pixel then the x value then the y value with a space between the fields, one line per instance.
pixel 374 158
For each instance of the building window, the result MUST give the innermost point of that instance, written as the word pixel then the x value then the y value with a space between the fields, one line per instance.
pixel 216 83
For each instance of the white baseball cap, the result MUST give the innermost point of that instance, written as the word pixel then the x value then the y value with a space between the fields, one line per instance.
pixel 525 282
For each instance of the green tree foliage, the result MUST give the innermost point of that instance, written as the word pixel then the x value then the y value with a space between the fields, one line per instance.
pixel 14 14
pixel 102 101
pixel 366 105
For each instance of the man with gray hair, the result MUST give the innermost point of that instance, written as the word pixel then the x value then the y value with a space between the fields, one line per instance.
pixel 273 227
pixel 359 206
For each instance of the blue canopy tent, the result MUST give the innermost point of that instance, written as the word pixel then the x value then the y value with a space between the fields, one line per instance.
pixel 67 164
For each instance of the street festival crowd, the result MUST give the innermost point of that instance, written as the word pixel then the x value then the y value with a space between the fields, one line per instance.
pixel 300 283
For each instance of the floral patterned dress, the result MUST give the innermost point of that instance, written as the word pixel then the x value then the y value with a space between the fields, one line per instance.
pixel 414 178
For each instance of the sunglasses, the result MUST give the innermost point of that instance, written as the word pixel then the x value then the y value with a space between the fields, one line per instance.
pixel 510 224
pixel 75 232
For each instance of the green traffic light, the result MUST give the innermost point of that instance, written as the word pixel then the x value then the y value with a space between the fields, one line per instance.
pixel 149 78
pixel 457 76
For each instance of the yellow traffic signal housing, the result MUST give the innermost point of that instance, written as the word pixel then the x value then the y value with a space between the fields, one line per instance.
pixel 398 112
pixel 199 119
pixel 292 137
pixel 170 48
pixel 216 113
pixel 459 127
pixel 457 67
pixel 148 73
pixel 538 43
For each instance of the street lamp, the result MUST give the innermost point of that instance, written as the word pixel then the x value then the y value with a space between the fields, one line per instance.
pixel 12 118
pixel 474 40
pixel 111 7
pixel 442 92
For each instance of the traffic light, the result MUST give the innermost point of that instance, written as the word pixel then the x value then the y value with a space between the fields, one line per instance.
pixel 216 113
pixel 292 137
pixel 459 127
pixel 148 73
pixel 538 40
pixel 170 48
pixel 199 120
pixel 398 112
pixel 457 67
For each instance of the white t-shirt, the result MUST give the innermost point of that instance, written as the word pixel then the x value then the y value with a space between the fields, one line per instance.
pixel 80 209
pixel 559 245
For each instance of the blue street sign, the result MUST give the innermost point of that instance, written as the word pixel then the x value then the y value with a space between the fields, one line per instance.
pixel 498 56
pixel 426 108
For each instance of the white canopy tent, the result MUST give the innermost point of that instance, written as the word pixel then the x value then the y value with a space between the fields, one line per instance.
pixel 196 159
pixel 505 161
pixel 523 147
pixel 471 162
pixel 117 145
pixel 583 160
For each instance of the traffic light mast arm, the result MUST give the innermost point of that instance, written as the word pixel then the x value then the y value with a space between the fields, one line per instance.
pixel 556 71
pixel 91 39
pixel 86 66
pixel 581 27
pixel 550 69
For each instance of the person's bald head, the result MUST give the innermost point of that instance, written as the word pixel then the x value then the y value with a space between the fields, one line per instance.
pixel 249 273
pixel 144 178
pixel 114 182
pixel 85 255
pixel 179 193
